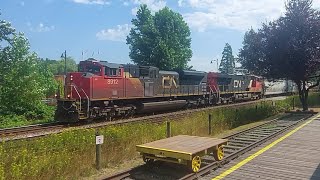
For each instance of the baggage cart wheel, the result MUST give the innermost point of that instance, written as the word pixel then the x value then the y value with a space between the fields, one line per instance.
pixel 196 163
pixel 147 160
pixel 219 153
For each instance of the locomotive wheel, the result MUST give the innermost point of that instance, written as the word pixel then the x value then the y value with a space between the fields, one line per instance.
pixel 218 154
pixel 196 163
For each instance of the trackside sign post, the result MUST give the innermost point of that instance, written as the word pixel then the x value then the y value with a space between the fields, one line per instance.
pixel 99 141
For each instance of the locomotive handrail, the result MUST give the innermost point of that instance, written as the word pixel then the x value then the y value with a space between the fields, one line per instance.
pixel 80 106
pixel 75 87
pixel 218 95
pixel 88 104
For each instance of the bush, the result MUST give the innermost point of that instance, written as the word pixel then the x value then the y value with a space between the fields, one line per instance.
pixel 44 116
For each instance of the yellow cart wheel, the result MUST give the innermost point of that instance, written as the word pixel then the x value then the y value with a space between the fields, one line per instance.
pixel 218 154
pixel 196 163
pixel 147 160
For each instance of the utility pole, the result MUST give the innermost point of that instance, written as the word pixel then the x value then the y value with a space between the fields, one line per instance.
pixel 64 55
pixel 65 62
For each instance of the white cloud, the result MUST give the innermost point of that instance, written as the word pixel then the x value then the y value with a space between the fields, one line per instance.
pixel 316 4
pixel 118 33
pixel 204 63
pixel 153 5
pixel 99 2
pixel 232 14
pixel 40 27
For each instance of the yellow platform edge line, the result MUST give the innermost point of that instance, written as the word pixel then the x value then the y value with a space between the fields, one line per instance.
pixel 160 149
pixel 248 159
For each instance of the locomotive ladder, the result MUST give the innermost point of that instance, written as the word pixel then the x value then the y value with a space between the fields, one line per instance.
pixel 82 114
pixel 215 94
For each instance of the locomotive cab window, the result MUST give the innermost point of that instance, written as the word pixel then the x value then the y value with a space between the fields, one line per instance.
pixel 236 84
pixel 153 73
pixel 80 68
pixel 112 71
pixel 94 69
pixel 166 82
pixel 144 72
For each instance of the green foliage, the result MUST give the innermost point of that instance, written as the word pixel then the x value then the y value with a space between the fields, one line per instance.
pixel 162 40
pixel 24 81
pixel 56 67
pixel 287 48
pixel 7 121
pixel 313 100
pixel 46 78
pixel 71 154
pixel 227 64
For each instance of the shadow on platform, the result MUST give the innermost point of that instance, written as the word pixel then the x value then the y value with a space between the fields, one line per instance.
pixel 316 174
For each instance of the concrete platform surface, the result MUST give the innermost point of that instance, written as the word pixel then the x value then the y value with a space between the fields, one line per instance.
pixel 296 156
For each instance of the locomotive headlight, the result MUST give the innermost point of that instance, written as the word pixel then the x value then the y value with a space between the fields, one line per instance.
pixel 71 78
pixel 68 96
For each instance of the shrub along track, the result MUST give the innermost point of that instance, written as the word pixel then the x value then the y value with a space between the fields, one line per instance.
pixel 56 127
pixel 239 143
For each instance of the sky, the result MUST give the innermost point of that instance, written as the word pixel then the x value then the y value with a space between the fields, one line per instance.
pixel 98 28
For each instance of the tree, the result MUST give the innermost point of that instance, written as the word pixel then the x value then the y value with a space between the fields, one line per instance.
pixel 57 66
pixel 287 48
pixel 45 69
pixel 227 64
pixel 23 82
pixel 162 40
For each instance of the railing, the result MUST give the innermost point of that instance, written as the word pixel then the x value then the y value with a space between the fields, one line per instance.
pixel 88 103
pixel 188 90
pixel 80 99
pixel 218 94
pixel 199 90
pixel 75 88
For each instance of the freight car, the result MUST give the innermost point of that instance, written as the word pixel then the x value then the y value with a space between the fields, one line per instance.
pixel 279 87
pixel 103 89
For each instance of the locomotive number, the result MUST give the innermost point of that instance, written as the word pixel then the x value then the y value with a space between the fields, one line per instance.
pixel 112 81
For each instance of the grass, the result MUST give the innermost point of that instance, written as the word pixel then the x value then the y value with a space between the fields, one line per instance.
pixel 71 154
pixel 313 100
pixel 8 121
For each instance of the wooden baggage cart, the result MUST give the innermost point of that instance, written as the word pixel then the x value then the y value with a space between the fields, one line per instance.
pixel 183 149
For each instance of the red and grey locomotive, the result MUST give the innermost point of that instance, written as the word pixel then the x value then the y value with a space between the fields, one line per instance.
pixel 103 89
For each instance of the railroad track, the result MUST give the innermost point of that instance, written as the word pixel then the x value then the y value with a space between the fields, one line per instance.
pixel 239 143
pixel 29 131
pixel 45 129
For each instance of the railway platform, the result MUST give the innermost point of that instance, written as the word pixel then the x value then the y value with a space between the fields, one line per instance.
pixel 292 155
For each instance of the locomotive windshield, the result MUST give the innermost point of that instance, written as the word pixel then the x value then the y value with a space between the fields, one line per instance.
pixel 112 71
pixel 93 69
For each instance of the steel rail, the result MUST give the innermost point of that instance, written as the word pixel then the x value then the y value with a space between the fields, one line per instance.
pixel 26 129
